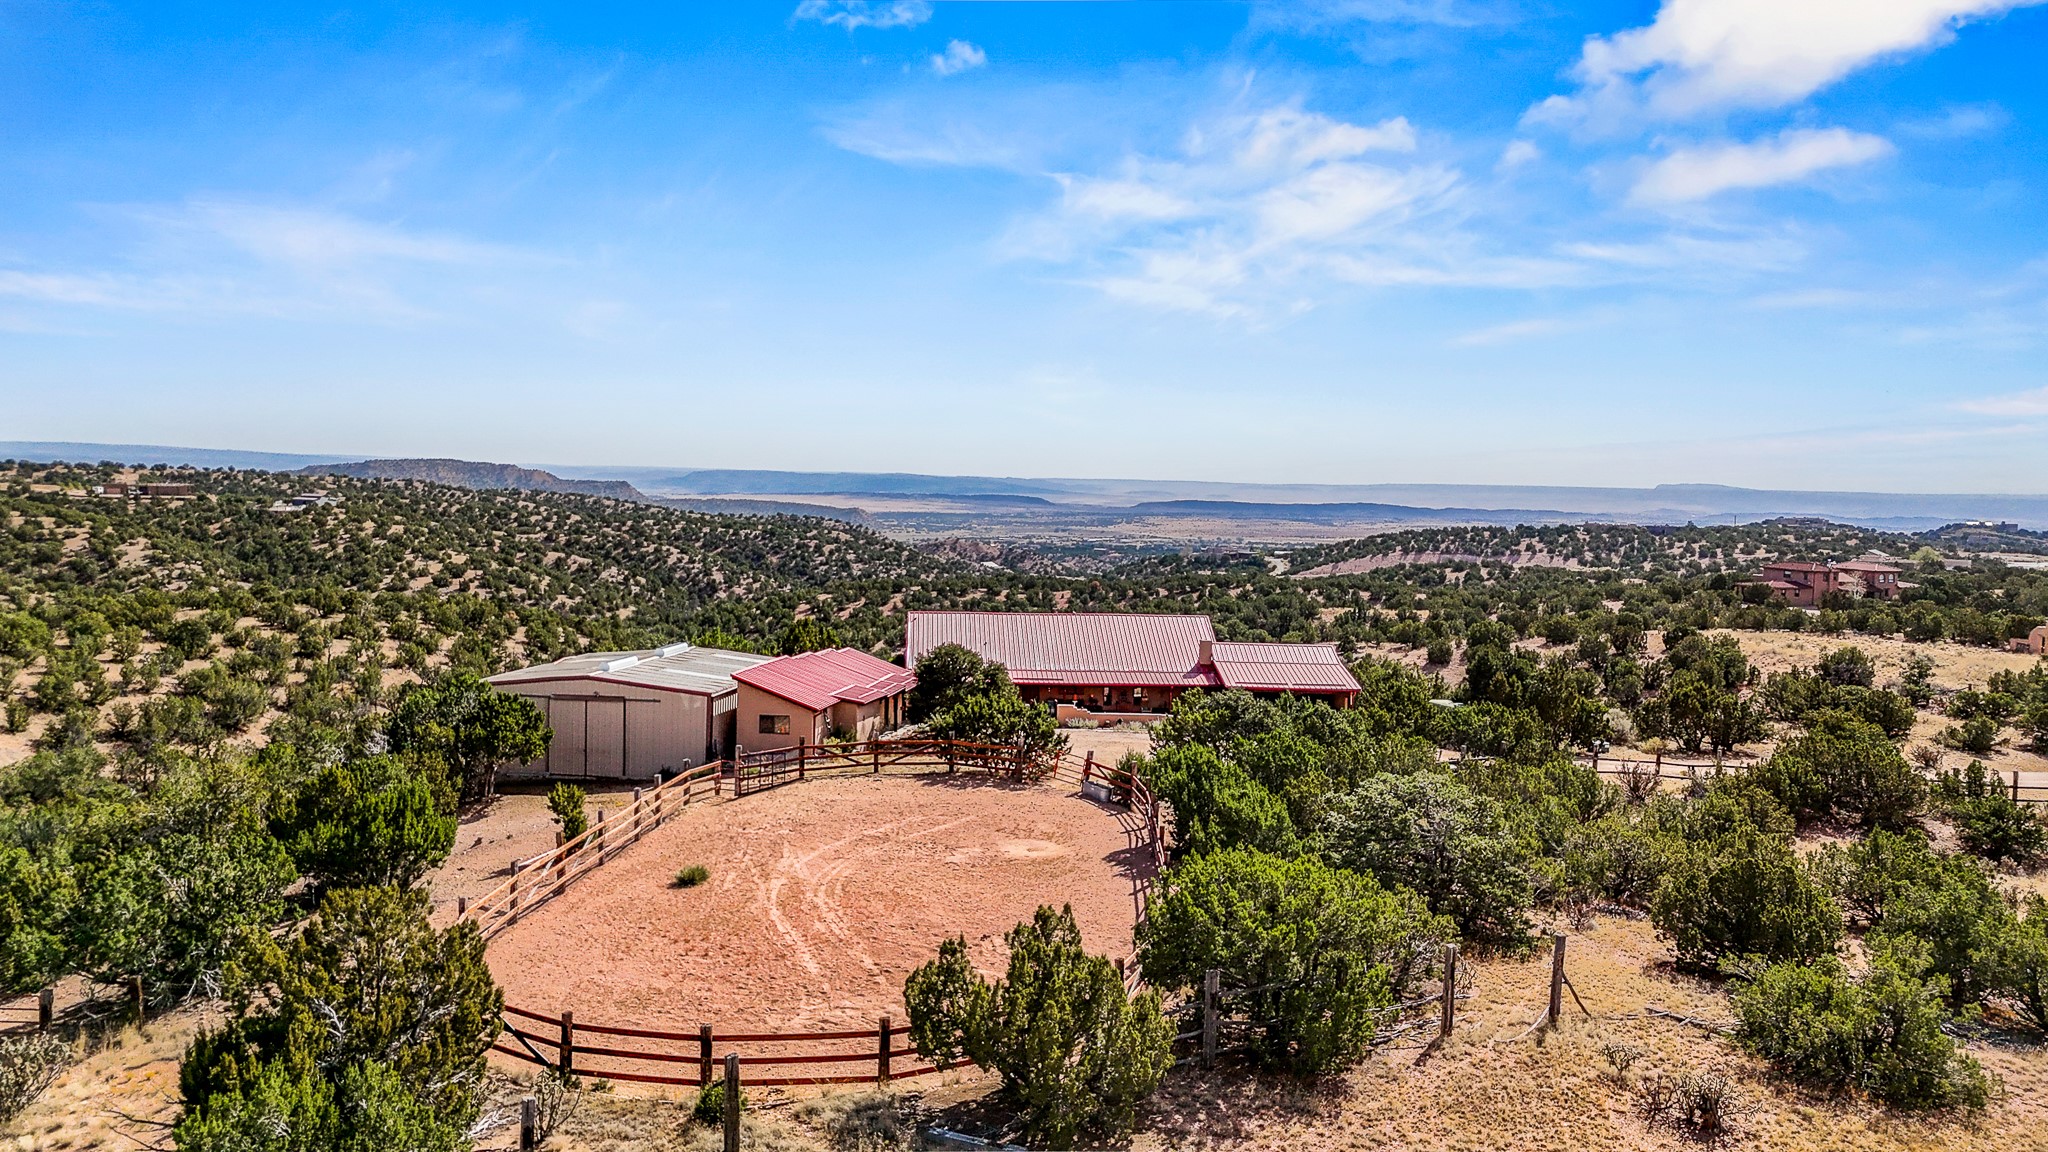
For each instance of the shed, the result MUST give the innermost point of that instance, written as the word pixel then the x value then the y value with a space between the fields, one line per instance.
pixel 812 696
pixel 633 715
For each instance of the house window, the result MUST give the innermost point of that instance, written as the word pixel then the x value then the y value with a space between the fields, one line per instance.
pixel 774 725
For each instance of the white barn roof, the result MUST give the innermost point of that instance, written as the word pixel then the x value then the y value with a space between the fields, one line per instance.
pixel 674 668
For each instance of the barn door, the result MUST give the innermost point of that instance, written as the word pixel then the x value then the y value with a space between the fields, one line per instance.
pixel 605 735
pixel 566 752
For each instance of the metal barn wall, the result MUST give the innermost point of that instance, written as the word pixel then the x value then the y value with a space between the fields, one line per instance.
pixel 617 731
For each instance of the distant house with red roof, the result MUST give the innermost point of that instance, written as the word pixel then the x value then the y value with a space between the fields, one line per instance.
pixel 1802 583
pixel 811 697
pixel 1129 662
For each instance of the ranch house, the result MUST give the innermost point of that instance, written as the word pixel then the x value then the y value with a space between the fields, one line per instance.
pixel 633 715
pixel 1084 663
pixel 812 697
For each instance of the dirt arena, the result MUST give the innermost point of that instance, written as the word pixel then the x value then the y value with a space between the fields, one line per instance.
pixel 823 896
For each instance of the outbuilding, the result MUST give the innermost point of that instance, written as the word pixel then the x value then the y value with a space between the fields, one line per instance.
pixel 633 715
pixel 813 696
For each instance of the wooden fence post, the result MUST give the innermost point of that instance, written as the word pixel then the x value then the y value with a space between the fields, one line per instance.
pixel 1212 986
pixel 135 1001
pixel 2015 785
pixel 950 766
pixel 1556 979
pixel 875 750
pixel 46 1008
pixel 598 838
pixel 1450 1005
pixel 529 1124
pixel 704 1056
pixel 1087 769
pixel 882 1052
pixel 461 907
pixel 732 1102
pixel 565 1053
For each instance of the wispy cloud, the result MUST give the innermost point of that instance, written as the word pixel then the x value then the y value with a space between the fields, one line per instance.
pixel 851 14
pixel 2034 403
pixel 1690 174
pixel 959 56
pixel 1702 55
pixel 224 256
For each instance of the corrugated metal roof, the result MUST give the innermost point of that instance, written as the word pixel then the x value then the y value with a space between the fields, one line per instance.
pixel 1134 649
pixel 818 680
pixel 673 668
pixel 1283 667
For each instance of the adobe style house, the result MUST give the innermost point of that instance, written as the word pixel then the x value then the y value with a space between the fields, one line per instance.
pixel 1802 583
pixel 1129 662
pixel 814 696
pixel 2035 642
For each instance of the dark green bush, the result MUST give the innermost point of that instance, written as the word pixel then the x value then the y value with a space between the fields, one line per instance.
pixel 710 1105
pixel 1432 835
pixel 1075 1052
pixel 1844 767
pixel 1743 893
pixel 378 820
pixel 1319 951
pixel 691 876
pixel 2019 975
pixel 1881 1034
pixel 566 802
pixel 1217 804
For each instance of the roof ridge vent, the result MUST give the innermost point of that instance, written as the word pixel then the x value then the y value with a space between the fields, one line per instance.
pixel 668 650
pixel 619 665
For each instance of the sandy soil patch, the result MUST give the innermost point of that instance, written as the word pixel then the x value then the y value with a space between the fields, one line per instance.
pixel 822 898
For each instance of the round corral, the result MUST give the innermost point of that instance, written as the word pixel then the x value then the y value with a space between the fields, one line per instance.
pixel 822 897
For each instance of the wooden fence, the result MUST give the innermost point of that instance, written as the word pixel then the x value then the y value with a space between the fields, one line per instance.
pixel 1666 771
pixel 652 1056
pixel 690 1059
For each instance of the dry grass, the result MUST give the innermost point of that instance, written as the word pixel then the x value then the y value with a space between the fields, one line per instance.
pixel 122 1093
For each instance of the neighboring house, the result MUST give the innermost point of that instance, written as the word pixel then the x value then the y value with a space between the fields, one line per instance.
pixel 634 715
pixel 1128 662
pixel 1802 583
pixel 305 500
pixel 2035 642
pixel 811 697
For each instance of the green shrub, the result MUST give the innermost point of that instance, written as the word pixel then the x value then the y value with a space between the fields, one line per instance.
pixel 1075 1052
pixel 1743 893
pixel 1844 766
pixel 1432 835
pixel 566 801
pixel 1868 874
pixel 1952 918
pixel 1216 804
pixel 377 820
pixel 2000 829
pixel 691 876
pixel 1978 736
pixel 1319 951
pixel 470 726
pixel 999 718
pixel 1881 1034
pixel 950 673
pixel 2019 974
pixel 366 1024
pixel 710 1105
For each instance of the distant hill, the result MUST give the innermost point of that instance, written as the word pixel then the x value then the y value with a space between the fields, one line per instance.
pixel 478 474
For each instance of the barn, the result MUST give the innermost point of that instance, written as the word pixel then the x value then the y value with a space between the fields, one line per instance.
pixel 633 715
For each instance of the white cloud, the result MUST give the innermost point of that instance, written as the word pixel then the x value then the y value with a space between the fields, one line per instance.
pixel 851 14
pixel 1700 55
pixel 959 56
pixel 1690 174
pixel 2034 403
pixel 1256 210
pixel 1518 153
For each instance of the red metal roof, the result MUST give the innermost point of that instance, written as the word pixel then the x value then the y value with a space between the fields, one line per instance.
pixel 1120 649
pixel 1283 667
pixel 1126 650
pixel 818 680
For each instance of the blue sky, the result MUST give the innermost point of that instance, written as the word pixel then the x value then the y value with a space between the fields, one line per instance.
pixel 1740 241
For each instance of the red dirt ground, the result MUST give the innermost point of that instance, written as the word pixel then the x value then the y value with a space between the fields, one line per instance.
pixel 823 896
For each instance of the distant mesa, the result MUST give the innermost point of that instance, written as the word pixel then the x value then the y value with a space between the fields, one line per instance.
pixel 476 474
